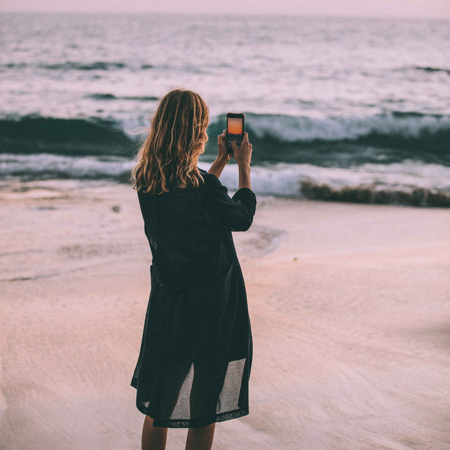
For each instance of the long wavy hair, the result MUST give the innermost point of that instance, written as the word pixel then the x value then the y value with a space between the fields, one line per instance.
pixel 168 156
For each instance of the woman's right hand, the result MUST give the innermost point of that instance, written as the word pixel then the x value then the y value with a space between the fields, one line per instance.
pixel 243 153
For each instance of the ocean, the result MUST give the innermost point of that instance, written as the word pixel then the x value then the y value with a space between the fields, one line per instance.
pixel 336 108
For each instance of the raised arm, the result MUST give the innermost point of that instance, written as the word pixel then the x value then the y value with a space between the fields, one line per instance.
pixel 234 212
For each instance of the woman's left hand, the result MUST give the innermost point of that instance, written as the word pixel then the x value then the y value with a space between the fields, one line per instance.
pixel 222 144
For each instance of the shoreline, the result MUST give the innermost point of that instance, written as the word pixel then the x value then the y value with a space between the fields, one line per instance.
pixel 374 184
pixel 348 306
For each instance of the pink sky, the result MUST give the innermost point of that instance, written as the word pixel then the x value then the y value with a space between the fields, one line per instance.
pixel 376 8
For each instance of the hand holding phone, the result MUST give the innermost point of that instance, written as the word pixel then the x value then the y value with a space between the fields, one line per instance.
pixel 222 146
pixel 243 152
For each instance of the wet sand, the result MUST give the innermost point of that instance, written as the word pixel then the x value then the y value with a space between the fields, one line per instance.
pixel 349 306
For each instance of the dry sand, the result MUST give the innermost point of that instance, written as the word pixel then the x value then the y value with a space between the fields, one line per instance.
pixel 349 306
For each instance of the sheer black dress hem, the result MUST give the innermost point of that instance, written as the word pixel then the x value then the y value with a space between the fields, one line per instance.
pixel 197 423
pixel 194 423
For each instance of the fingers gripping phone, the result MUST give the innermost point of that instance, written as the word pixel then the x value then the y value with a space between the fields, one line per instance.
pixel 235 130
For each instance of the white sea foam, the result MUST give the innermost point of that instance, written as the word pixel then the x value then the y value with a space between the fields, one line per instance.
pixel 285 179
pixel 275 179
pixel 306 129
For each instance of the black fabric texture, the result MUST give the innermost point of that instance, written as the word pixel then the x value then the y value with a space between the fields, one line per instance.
pixel 196 352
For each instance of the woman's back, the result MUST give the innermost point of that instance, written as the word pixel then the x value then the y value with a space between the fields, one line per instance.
pixel 189 230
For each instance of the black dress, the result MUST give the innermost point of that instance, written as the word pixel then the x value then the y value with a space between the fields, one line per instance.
pixel 196 352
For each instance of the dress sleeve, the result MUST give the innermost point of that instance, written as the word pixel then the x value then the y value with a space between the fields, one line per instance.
pixel 234 212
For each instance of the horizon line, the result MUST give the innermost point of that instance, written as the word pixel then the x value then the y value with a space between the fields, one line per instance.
pixel 330 16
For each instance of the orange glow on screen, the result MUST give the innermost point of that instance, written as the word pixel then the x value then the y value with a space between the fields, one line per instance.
pixel 234 125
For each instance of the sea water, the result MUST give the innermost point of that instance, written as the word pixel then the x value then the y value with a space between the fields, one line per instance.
pixel 336 108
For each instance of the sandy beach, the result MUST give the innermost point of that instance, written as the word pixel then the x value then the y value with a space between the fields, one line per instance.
pixel 349 306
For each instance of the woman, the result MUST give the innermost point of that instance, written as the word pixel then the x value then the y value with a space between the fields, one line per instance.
pixel 196 352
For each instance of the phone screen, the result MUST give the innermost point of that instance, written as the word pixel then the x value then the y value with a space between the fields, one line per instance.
pixel 235 125
pixel 235 130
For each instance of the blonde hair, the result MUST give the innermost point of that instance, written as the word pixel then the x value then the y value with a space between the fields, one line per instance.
pixel 168 156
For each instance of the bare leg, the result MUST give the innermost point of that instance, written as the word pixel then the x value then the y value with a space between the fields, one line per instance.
pixel 153 438
pixel 200 438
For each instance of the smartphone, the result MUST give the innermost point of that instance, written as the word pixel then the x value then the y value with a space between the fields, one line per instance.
pixel 235 129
